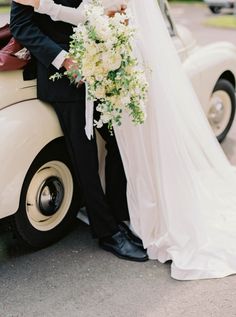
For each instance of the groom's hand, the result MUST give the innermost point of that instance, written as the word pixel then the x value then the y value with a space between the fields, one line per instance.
pixel 69 64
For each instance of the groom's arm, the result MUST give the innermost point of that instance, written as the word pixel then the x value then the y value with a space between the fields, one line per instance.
pixel 29 35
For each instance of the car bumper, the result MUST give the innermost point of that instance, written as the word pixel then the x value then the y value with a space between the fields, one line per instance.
pixel 221 4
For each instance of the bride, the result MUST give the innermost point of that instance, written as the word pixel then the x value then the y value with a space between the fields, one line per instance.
pixel 181 188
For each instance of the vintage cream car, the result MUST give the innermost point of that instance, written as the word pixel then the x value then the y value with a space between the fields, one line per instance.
pixel 216 6
pixel 37 188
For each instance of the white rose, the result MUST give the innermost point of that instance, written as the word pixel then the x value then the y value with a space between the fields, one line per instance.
pixel 116 61
pixel 91 48
pixel 100 92
pixel 87 69
pixel 116 101
pixel 112 61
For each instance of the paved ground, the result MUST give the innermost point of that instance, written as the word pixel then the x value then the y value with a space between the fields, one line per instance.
pixel 193 17
pixel 74 278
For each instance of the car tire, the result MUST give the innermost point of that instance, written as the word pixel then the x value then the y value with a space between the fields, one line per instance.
pixel 222 108
pixel 49 198
pixel 215 10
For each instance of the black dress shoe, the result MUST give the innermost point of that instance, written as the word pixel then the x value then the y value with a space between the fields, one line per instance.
pixel 129 234
pixel 122 247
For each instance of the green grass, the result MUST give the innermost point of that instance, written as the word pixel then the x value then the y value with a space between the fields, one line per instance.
pixel 186 2
pixel 222 21
pixel 4 9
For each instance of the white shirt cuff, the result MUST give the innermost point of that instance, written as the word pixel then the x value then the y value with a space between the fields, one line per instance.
pixel 58 61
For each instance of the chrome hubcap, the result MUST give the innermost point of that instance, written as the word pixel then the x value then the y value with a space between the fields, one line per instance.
pixel 219 112
pixel 50 196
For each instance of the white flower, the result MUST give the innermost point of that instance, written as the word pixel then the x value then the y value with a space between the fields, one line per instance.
pixel 125 100
pixel 106 117
pixel 112 60
pixel 109 44
pixel 100 92
pixel 91 48
pixel 100 76
pixel 98 123
pixel 87 69
pixel 115 61
pixel 99 108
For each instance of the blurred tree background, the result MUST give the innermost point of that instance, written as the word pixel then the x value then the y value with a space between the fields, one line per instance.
pixel 5 6
pixel 187 1
pixel 5 2
pixel 8 2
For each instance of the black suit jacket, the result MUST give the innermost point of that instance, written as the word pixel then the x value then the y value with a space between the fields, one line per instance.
pixel 45 39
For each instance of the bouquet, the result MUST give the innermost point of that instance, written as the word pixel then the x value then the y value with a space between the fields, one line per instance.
pixel 101 48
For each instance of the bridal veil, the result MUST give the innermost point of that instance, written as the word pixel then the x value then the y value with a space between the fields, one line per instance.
pixel 181 187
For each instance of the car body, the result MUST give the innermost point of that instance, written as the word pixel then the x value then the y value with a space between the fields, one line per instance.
pixel 216 5
pixel 37 186
pixel 211 69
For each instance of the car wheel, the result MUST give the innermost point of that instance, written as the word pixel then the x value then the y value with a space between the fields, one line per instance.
pixel 48 203
pixel 215 10
pixel 222 108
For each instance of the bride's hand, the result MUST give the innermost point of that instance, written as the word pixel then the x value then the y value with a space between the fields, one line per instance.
pixel 32 3
pixel 112 11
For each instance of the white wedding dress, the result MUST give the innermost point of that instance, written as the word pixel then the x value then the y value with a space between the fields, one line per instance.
pixel 181 187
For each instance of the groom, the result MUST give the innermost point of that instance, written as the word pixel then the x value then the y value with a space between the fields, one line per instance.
pixel 48 41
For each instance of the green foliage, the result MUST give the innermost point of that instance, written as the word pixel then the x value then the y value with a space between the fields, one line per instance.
pixel 4 9
pixel 186 1
pixel 223 21
pixel 5 3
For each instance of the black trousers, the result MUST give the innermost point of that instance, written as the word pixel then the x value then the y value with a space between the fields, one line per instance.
pixel 105 210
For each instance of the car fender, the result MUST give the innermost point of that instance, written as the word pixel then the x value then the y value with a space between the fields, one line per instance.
pixel 207 64
pixel 25 128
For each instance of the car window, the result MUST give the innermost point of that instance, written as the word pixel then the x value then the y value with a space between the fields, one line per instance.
pixel 165 12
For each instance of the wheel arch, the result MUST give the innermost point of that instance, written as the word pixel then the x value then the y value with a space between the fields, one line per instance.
pixel 35 225
pixel 207 64
pixel 25 129
pixel 229 76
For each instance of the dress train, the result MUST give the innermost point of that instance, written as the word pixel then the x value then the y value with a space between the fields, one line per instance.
pixel 181 187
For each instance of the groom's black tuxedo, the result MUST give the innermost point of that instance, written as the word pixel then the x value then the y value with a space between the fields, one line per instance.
pixel 45 39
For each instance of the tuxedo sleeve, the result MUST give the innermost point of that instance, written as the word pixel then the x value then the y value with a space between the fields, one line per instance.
pixel 29 34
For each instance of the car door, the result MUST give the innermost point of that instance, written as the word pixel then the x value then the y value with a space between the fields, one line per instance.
pixel 179 45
